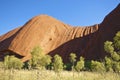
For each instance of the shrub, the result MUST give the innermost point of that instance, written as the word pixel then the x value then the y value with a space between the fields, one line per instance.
pixel 36 56
pixel 108 64
pixel 113 48
pixel 88 65
pixel 116 66
pixel 73 60
pixel 57 63
pixel 97 66
pixel 80 64
pixel 108 47
pixel 68 66
pixel 11 62
pixel 44 61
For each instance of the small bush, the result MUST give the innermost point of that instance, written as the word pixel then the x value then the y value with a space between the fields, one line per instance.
pixel 44 61
pixel 80 64
pixel 57 63
pixel 88 65
pixel 113 48
pixel 37 54
pixel 68 66
pixel 73 60
pixel 116 66
pixel 97 66
pixel 11 62
pixel 108 64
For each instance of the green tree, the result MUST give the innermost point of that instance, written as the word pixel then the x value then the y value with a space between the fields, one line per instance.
pixel 116 66
pixel 97 66
pixel 108 64
pixel 88 65
pixel 57 63
pixel 39 60
pixel 117 41
pixel 45 61
pixel 37 54
pixel 108 47
pixel 80 64
pixel 113 48
pixel 68 66
pixel 73 60
pixel 115 56
pixel 11 62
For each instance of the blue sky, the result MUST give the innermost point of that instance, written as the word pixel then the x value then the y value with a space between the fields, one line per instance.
pixel 15 13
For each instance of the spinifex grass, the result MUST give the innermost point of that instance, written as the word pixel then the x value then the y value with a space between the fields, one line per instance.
pixel 51 75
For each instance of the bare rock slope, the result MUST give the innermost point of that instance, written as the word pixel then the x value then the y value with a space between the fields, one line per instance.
pixel 55 37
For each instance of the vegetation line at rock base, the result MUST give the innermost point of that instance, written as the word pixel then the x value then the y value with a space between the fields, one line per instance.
pixel 44 67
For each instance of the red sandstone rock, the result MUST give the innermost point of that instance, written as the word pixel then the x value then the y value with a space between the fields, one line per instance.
pixel 55 37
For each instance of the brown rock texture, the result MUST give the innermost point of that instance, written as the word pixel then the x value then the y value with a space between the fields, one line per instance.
pixel 55 37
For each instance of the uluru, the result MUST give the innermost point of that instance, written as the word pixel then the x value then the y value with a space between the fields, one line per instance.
pixel 56 37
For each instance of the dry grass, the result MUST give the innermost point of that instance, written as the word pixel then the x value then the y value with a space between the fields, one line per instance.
pixel 51 75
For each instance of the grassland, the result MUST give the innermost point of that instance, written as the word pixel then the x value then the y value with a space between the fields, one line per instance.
pixel 51 75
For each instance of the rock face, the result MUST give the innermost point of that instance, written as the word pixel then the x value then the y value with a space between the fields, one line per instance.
pixel 55 37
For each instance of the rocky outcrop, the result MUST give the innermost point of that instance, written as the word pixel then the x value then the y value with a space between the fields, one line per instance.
pixel 55 37
pixel 107 30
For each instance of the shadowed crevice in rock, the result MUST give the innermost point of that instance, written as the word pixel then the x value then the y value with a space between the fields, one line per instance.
pixel 78 46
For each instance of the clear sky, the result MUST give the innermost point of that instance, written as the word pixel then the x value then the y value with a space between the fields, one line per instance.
pixel 15 13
